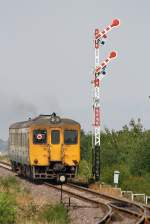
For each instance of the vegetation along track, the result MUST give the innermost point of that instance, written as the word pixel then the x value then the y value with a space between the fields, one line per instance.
pixel 127 211
pixel 104 211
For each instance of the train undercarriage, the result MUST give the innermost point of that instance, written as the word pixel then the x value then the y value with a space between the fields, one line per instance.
pixel 53 171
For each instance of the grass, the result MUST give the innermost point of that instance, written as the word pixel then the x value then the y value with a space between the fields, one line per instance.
pixel 9 183
pixel 17 206
pixel 84 171
pixel 55 214
pixel 7 208
pixel 4 158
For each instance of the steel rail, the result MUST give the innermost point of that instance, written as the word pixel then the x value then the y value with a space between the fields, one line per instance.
pixel 86 199
pixel 109 199
pixel 103 220
pixel 147 213
pixel 5 165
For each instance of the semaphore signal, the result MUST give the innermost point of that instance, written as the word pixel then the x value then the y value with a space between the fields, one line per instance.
pixel 99 73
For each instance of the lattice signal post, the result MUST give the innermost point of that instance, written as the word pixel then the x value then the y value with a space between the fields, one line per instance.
pixel 99 73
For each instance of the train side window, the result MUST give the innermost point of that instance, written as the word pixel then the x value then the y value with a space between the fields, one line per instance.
pixel 16 140
pixel 26 139
pixel 70 137
pixel 55 137
pixel 10 139
pixel 21 139
pixel 39 136
pixel 23 142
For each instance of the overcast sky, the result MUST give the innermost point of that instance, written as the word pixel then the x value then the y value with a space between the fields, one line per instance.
pixel 47 58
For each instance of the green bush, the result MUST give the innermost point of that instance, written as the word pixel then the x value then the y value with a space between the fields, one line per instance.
pixel 85 169
pixel 7 209
pixel 55 214
pixel 107 173
pixel 4 158
pixel 137 184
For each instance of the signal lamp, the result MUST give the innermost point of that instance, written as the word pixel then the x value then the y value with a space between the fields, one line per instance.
pixel 102 42
pixel 104 72
pixel 62 178
pixel 97 74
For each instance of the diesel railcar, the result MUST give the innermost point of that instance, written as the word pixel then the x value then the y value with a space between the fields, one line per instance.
pixel 45 147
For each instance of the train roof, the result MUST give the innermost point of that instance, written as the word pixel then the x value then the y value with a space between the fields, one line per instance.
pixel 43 120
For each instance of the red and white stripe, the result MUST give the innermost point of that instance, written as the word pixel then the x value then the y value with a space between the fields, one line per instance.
pixel 97 80
pixel 115 22
pixel 112 55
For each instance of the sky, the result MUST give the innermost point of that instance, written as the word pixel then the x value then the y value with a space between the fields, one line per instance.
pixel 47 60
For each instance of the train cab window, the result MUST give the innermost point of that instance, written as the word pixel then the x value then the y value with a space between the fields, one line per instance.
pixel 55 137
pixel 70 137
pixel 39 136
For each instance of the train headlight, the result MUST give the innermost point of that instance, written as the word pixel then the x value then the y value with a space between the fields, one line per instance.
pixel 36 161
pixel 76 162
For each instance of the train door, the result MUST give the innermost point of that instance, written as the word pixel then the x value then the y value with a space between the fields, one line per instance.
pixel 71 146
pixel 55 144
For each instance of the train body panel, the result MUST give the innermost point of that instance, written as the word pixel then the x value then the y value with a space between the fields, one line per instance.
pixel 19 145
pixel 39 153
pixel 42 148
pixel 71 152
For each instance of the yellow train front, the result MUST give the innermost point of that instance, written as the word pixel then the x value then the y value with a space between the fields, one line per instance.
pixel 45 147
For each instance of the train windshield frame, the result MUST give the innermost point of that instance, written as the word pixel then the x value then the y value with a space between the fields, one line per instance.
pixel 70 137
pixel 55 137
pixel 39 136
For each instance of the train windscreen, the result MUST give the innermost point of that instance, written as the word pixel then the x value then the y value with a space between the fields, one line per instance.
pixel 39 136
pixel 70 137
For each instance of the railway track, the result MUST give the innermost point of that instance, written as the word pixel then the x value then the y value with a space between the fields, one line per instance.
pixel 113 201
pixel 106 209
pixel 5 165
pixel 121 208
pixel 111 207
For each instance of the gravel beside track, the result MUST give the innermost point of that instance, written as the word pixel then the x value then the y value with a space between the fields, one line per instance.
pixel 79 211
pixel 121 217
pixel 112 200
